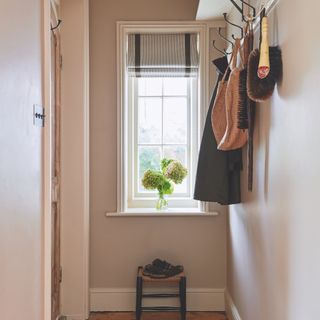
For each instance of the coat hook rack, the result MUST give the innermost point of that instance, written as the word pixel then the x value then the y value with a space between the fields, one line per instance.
pixel 224 52
pixel 241 9
pixel 250 6
pixel 57 26
pixel 224 38
pixel 233 24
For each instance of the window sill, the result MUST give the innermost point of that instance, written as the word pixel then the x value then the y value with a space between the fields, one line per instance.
pixel 173 212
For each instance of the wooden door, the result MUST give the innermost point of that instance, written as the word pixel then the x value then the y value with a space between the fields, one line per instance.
pixel 56 169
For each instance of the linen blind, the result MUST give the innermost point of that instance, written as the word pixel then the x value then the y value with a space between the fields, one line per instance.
pixel 163 55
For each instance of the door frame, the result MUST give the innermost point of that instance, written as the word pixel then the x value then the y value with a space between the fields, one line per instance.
pixel 86 143
pixel 47 162
pixel 47 159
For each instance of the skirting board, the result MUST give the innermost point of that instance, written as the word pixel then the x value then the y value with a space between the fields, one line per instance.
pixel 74 317
pixel 123 299
pixel 232 311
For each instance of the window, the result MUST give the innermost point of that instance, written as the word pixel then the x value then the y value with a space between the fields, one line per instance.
pixel 163 121
pixel 159 118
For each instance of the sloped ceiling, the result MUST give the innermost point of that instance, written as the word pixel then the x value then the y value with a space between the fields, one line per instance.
pixel 212 9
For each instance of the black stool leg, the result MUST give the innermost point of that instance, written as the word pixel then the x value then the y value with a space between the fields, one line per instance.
pixel 138 298
pixel 183 299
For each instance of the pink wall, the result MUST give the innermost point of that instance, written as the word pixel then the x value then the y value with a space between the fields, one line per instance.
pixel 21 165
pixel 119 245
pixel 273 259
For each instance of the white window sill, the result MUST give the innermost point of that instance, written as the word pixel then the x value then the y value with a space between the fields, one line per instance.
pixel 172 212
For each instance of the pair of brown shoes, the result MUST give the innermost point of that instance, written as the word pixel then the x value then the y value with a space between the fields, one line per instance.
pixel 161 269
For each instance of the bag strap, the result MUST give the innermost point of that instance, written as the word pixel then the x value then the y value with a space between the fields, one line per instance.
pixel 231 62
pixel 247 44
pixel 233 57
pixel 235 52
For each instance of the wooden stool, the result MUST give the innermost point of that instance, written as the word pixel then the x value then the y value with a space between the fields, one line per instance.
pixel 180 279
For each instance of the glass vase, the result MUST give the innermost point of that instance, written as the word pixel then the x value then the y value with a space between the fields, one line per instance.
pixel 162 203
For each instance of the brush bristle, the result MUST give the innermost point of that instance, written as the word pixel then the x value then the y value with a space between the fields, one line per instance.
pixel 275 63
pixel 258 89
pixel 243 101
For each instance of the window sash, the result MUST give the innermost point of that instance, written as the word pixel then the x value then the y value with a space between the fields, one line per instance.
pixel 153 194
pixel 147 199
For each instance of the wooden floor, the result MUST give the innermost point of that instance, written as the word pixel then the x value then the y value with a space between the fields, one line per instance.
pixel 157 316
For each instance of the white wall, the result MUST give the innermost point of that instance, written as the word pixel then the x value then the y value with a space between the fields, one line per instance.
pixel 21 239
pixel 74 150
pixel 273 260
pixel 119 245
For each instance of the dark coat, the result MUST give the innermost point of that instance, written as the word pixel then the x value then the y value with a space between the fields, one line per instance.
pixel 218 173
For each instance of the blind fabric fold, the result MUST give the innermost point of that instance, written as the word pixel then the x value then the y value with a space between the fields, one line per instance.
pixel 163 55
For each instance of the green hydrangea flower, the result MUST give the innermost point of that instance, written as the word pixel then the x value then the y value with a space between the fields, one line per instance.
pixel 164 164
pixel 152 179
pixel 172 171
pixel 175 171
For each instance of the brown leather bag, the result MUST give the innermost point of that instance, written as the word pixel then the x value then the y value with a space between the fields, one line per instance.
pixel 218 114
pixel 233 138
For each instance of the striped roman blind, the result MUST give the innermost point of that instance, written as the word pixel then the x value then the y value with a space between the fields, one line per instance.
pixel 163 55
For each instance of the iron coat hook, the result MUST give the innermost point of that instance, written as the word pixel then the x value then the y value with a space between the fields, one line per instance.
pixel 224 52
pixel 233 24
pixel 250 6
pixel 241 9
pixel 57 26
pixel 224 38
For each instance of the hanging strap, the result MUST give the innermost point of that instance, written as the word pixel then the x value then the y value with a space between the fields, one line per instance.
pixel 232 62
pixel 235 51
pixel 233 59
pixel 247 47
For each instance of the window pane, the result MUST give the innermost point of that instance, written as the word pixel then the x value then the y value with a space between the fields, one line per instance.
pixel 175 120
pixel 150 86
pixel 148 158
pixel 181 188
pixel 175 86
pixel 149 120
pixel 178 153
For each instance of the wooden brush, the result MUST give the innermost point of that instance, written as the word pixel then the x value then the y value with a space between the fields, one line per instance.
pixel 264 60
pixel 262 89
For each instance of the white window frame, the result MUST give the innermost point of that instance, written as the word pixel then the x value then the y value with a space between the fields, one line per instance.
pixel 123 29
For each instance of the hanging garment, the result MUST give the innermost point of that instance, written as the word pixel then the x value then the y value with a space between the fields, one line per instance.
pixel 246 48
pixel 246 112
pixel 218 173
pixel 251 111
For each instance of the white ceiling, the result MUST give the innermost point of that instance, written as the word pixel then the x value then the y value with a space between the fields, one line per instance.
pixel 212 9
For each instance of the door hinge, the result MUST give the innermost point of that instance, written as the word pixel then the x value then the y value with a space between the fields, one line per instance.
pixel 60 275
pixel 38 116
pixel 55 189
